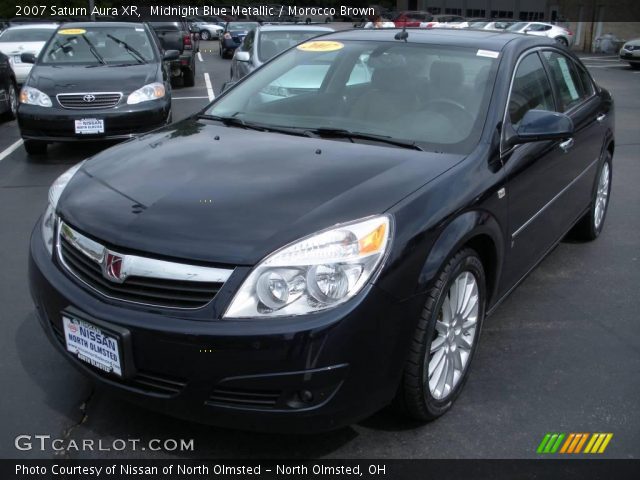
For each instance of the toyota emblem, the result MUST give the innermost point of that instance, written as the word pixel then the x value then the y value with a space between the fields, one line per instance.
pixel 89 98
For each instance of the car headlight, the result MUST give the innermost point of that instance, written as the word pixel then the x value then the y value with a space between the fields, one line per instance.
pixel 33 96
pixel 55 191
pixel 152 91
pixel 315 273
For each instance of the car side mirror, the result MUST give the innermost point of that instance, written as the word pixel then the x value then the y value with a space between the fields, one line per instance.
pixel 27 58
pixel 540 125
pixel 242 56
pixel 171 55
pixel 228 85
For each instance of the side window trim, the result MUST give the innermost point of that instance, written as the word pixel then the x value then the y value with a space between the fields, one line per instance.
pixel 556 94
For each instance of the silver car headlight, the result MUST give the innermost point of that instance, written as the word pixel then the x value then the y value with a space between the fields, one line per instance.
pixel 152 91
pixel 315 273
pixel 33 96
pixel 55 191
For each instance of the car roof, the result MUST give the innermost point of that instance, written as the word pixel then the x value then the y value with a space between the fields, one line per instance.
pixel 289 28
pixel 30 26
pixel 482 39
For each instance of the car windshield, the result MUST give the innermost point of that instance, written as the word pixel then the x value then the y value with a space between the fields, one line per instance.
pixel 517 26
pixel 26 35
pixel 431 95
pixel 237 26
pixel 99 46
pixel 275 42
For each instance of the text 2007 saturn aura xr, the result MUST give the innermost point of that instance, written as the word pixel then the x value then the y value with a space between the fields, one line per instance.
pixel 327 237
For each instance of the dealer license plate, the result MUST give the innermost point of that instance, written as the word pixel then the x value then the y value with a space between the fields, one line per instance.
pixel 92 345
pixel 89 126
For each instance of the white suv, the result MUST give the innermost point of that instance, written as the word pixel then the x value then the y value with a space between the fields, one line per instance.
pixel 560 34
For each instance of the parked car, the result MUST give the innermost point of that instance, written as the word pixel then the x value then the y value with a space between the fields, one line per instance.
pixel 8 89
pixel 234 33
pixel 95 81
pixel 178 35
pixel 208 28
pixel 24 39
pixel 491 25
pixel 630 52
pixel 559 34
pixel 445 21
pixel 353 237
pixel 265 42
pixel 412 19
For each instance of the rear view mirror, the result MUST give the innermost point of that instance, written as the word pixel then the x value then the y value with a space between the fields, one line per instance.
pixel 171 55
pixel 539 125
pixel 27 58
pixel 242 56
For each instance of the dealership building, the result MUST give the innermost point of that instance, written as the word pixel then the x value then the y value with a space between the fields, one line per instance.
pixel 588 19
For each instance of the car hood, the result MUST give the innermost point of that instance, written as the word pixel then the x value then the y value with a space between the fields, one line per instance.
pixel 79 78
pixel 205 192
pixel 13 48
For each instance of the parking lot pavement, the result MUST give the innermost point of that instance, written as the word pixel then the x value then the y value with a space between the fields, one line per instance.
pixel 561 354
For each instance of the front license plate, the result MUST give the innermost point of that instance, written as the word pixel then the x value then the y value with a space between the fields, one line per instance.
pixel 92 345
pixel 89 126
pixel 17 59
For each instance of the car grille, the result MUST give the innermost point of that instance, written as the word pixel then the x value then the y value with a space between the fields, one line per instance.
pixel 144 290
pixel 89 100
pixel 143 381
pixel 234 397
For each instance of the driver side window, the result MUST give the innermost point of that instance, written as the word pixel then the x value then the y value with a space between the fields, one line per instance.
pixel 531 89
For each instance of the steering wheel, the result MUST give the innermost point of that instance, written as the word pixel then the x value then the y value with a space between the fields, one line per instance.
pixel 460 109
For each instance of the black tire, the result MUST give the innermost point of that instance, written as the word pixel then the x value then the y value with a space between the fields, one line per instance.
pixel 635 65
pixel 562 41
pixel 189 77
pixel 35 147
pixel 588 229
pixel 205 35
pixel 414 397
pixel 220 50
pixel 12 102
pixel 307 21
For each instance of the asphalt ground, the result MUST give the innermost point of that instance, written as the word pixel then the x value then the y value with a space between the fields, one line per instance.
pixel 562 354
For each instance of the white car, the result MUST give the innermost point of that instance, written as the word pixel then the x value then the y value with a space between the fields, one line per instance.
pixel 558 33
pixel 630 52
pixel 498 25
pixel 209 30
pixel 20 39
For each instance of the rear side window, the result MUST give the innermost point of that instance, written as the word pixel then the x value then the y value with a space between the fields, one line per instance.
pixel 531 89
pixel 564 75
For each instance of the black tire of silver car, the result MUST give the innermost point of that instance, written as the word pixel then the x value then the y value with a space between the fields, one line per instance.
pixel 12 101
pixel 205 35
pixel 590 226
pixel 415 397
pixel 562 41
pixel 635 65
pixel 35 147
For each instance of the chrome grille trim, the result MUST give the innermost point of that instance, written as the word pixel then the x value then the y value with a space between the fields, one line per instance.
pixel 76 100
pixel 135 269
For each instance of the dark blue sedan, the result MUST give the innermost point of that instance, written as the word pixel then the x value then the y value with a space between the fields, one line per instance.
pixel 233 35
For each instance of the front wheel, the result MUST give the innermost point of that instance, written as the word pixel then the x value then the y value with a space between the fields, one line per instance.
pixel 635 65
pixel 562 41
pixel 12 102
pixel 35 147
pixel 205 35
pixel 590 226
pixel 445 339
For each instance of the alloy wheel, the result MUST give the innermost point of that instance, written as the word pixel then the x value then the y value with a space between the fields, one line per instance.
pixel 602 196
pixel 13 100
pixel 454 336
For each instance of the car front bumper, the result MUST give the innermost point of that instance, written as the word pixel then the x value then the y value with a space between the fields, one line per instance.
pixel 297 374
pixel 630 55
pixel 57 124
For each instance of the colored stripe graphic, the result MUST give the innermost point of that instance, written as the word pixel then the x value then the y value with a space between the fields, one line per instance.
pixel 572 443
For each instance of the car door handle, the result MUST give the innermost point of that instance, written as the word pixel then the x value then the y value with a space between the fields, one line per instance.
pixel 600 118
pixel 567 145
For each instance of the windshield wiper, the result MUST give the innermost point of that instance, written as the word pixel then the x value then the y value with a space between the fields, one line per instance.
pixel 343 133
pixel 132 51
pixel 93 50
pixel 233 121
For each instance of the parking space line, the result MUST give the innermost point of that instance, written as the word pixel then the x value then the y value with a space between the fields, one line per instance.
pixel 598 58
pixel 187 98
pixel 199 56
pixel 607 66
pixel 10 149
pixel 207 81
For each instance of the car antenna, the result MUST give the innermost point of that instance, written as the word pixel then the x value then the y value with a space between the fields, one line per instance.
pixel 403 35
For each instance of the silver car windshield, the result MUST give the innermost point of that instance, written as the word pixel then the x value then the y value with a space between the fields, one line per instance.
pixel 433 95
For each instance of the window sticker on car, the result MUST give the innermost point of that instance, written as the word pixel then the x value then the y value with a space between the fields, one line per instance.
pixel 72 31
pixel 566 74
pixel 320 46
pixel 487 53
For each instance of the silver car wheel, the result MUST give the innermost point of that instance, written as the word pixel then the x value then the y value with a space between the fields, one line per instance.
pixel 454 336
pixel 602 196
pixel 13 100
